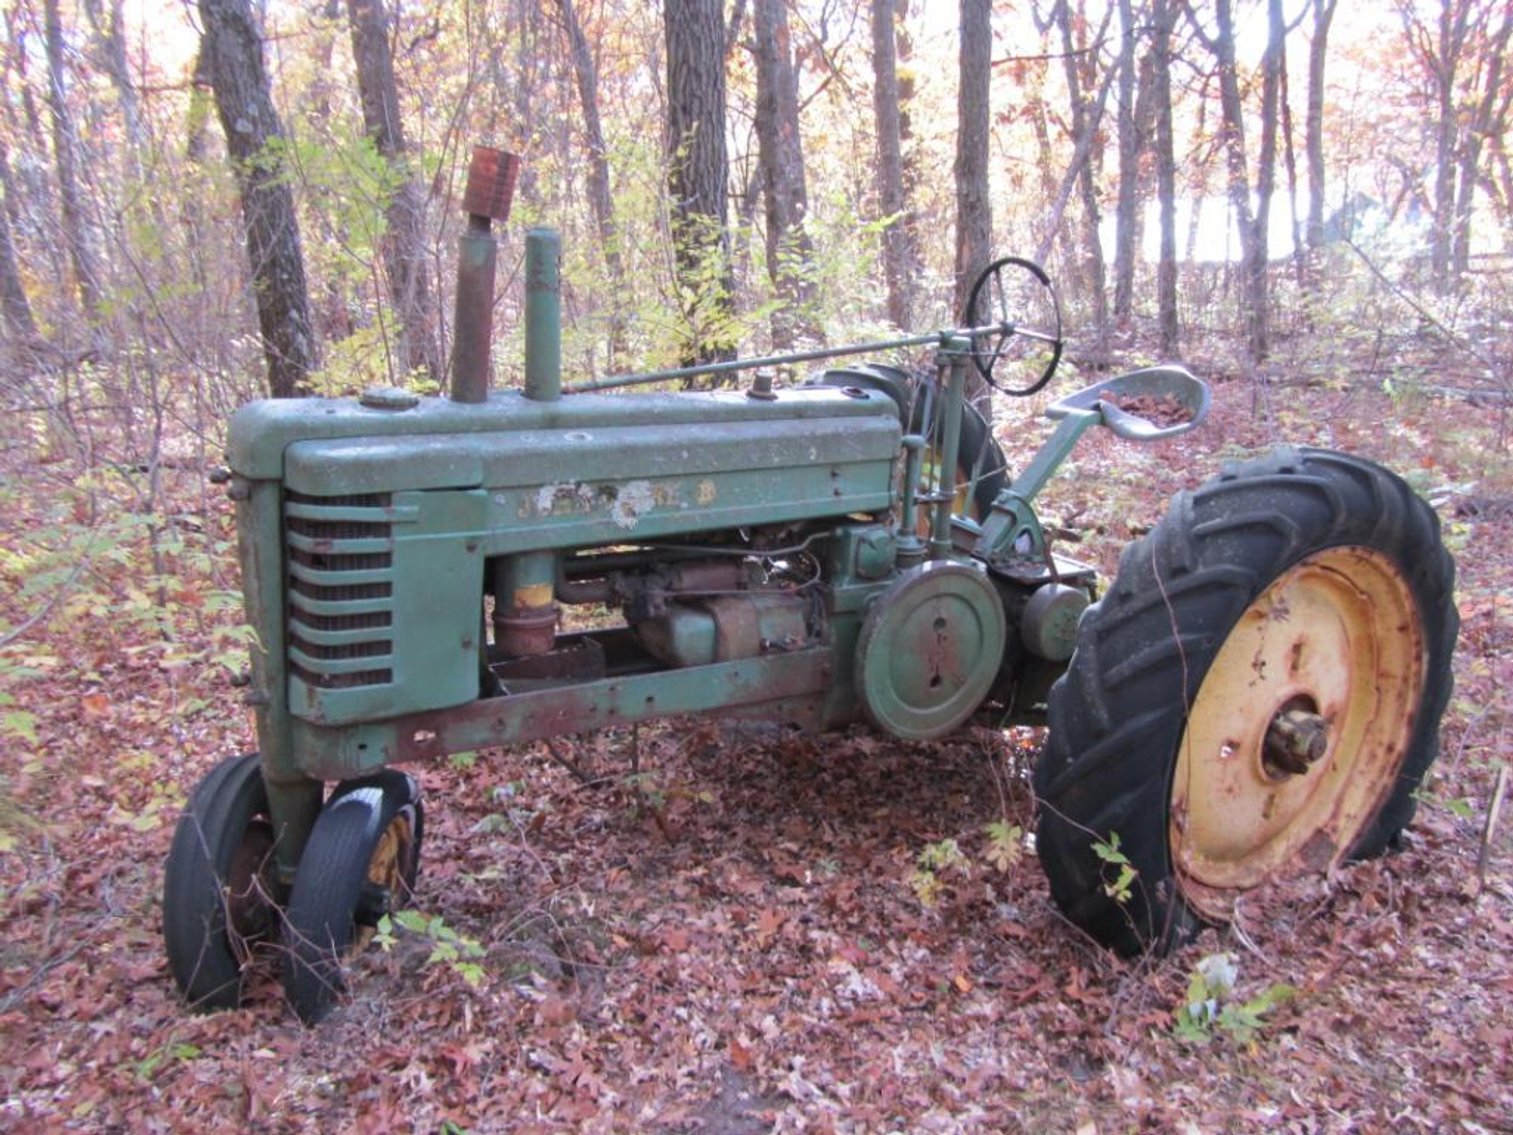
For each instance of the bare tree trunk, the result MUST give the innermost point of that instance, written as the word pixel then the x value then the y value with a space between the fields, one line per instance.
pixel 1072 179
pixel 403 247
pixel 76 227
pixel 908 85
pixel 1463 59
pixel 523 22
pixel 1085 124
pixel 1500 176
pixel 697 175
pixel 1482 125
pixel 781 157
pixel 322 46
pixel 900 257
pixel 233 52
pixel 1502 195
pixel 13 302
pixel 1048 224
pixel 1163 18
pixel 1232 131
pixel 1257 280
pixel 1313 127
pixel 1290 160
pixel 110 37
pixel 197 113
pixel 600 199
pixel 1127 206
pixel 1440 53
pixel 1454 16
pixel 974 209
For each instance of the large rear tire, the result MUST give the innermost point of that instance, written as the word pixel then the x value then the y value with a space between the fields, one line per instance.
pixel 1258 694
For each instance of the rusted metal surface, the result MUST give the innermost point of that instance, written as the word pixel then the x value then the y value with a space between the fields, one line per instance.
pixel 929 650
pixel 486 198
pixel 533 716
pixel 1299 729
pixel 1295 742
pixel 526 633
pixel 525 614
pixel 490 188
pixel 473 319
pixel 573 660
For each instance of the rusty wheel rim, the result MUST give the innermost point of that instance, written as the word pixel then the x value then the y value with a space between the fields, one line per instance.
pixel 1298 729
pixel 249 887
pixel 387 872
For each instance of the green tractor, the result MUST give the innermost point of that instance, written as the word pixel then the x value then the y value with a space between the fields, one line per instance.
pixel 1257 693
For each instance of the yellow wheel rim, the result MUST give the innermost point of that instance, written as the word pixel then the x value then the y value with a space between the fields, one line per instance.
pixel 1299 727
pixel 386 869
pixel 963 501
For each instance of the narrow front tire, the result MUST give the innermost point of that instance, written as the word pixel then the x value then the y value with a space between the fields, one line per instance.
pixel 360 864
pixel 220 889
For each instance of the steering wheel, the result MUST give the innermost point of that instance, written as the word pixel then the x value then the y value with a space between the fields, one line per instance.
pixel 1013 317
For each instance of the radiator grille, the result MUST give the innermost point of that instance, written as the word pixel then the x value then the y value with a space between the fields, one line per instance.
pixel 340 562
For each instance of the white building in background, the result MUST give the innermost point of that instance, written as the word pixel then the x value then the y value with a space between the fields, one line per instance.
pixel 1208 232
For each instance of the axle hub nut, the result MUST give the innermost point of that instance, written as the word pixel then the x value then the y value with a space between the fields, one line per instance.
pixel 1295 741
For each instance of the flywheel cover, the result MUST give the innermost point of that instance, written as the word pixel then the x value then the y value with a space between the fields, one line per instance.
pixel 929 650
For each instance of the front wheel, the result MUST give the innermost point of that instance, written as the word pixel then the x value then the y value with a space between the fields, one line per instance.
pixel 359 865
pixel 220 884
pixel 1258 694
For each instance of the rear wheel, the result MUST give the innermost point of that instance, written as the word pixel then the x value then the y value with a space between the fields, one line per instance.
pixel 360 864
pixel 1258 694
pixel 220 890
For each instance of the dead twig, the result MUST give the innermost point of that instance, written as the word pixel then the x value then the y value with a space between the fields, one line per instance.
pixel 577 770
pixel 1489 828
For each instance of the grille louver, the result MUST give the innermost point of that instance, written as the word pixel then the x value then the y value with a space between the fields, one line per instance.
pixel 340 557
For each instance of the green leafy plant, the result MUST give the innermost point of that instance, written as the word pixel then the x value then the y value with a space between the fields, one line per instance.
pixel 936 860
pixel 1210 1008
pixel 1125 874
pixel 463 760
pixel 15 722
pixel 165 1054
pixel 448 947
pixel 1005 845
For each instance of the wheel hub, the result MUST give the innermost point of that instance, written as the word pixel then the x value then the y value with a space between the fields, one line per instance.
pixel 1295 741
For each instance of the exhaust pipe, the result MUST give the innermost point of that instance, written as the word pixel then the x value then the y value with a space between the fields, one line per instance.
pixel 490 190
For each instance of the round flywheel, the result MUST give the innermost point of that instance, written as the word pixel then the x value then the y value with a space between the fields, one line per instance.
pixel 929 650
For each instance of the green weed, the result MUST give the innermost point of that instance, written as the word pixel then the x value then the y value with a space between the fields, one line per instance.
pixel 1210 1009
pixel 448 948
pixel 1125 875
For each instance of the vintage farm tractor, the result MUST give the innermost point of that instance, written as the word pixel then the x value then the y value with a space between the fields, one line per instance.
pixel 1258 691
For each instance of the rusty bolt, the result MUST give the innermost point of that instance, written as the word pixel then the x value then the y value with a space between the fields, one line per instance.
pixel 1295 741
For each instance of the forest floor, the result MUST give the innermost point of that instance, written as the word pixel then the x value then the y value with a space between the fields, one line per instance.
pixel 726 931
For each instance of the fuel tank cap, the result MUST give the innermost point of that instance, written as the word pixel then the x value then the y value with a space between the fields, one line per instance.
pixel 388 398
